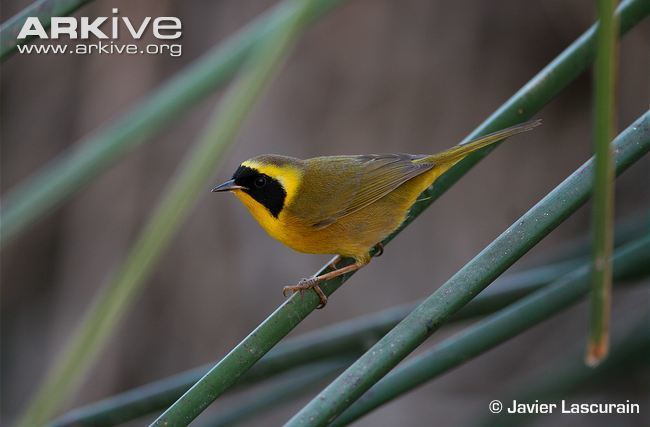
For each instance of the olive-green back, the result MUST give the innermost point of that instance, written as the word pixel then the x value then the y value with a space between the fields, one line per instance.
pixel 335 186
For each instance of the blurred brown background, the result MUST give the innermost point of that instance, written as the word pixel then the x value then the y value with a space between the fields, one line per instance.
pixel 373 76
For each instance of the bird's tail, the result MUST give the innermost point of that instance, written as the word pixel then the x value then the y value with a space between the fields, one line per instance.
pixel 454 154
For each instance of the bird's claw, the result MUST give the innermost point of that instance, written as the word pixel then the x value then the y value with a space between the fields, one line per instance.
pixel 305 284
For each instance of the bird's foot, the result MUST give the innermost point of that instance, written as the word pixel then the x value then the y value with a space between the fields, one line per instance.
pixel 314 282
pixel 305 284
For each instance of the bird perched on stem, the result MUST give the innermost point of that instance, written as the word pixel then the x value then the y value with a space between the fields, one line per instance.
pixel 342 205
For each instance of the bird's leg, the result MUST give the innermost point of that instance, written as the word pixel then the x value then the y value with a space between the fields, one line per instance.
pixel 313 282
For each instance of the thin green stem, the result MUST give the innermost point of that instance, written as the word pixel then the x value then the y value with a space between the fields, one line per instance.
pixel 496 329
pixel 603 206
pixel 498 256
pixel 44 10
pixel 547 84
pixel 71 171
pixel 112 302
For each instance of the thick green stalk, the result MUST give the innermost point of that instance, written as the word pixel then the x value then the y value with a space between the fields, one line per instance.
pixel 44 10
pixel 603 206
pixel 65 175
pixel 497 257
pixel 189 181
pixel 496 329
pixel 548 83
pixel 351 337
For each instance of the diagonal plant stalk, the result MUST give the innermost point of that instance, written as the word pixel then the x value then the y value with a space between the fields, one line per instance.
pixel 498 256
pixel 94 154
pixel 632 259
pixel 548 83
pixel 44 10
pixel 112 302
pixel 630 350
pixel 351 337
pixel 603 206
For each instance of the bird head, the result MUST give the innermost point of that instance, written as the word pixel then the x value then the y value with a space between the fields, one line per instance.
pixel 265 182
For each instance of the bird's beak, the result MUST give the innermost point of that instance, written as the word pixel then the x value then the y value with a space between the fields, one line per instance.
pixel 227 186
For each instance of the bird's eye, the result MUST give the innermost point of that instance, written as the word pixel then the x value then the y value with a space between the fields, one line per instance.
pixel 260 182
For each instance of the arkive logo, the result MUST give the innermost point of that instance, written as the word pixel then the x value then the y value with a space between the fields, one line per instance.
pixel 111 28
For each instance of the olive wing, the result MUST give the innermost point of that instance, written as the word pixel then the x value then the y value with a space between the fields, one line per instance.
pixel 336 186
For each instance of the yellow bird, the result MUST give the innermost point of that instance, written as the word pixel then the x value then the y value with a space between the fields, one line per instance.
pixel 341 205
